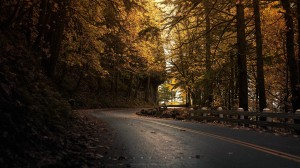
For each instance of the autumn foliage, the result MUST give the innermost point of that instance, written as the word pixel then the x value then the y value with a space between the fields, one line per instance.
pixel 93 47
pixel 234 53
pixel 57 54
pixel 115 53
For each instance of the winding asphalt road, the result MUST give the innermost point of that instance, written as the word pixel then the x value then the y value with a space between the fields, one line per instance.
pixel 153 142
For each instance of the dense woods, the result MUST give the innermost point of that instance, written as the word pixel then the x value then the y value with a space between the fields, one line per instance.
pixel 56 55
pixel 234 53
pixel 93 49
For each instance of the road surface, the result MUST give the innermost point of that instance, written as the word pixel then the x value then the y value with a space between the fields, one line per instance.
pixel 153 142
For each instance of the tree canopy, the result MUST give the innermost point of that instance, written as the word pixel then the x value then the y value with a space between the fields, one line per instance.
pixel 234 53
pixel 221 53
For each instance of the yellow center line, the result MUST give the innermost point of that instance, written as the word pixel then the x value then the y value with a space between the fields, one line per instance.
pixel 231 140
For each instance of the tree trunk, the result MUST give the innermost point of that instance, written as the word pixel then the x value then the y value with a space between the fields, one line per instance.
pixel 129 88
pixel 287 107
pixel 260 64
pixel 298 19
pixel 56 41
pixel 155 94
pixel 147 89
pixel 208 93
pixel 116 87
pixel 292 63
pixel 231 82
pixel 241 55
pixel 188 97
pixel 52 37
pixel 43 17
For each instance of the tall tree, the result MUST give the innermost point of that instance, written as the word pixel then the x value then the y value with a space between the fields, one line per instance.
pixel 251 68
pixel 259 56
pixel 298 19
pixel 291 58
pixel 51 24
pixel 241 55
pixel 208 93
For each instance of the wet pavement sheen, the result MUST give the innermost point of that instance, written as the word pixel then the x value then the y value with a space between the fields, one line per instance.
pixel 145 143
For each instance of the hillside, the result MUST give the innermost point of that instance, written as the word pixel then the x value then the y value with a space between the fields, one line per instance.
pixel 56 57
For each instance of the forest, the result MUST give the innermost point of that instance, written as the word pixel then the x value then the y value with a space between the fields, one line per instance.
pixel 62 55
pixel 233 54
pixel 57 56
pixel 92 49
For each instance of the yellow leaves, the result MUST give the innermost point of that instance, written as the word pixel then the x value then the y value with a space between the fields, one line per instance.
pixel 273 26
pixel 272 14
pixel 150 52
pixel 115 43
pixel 92 60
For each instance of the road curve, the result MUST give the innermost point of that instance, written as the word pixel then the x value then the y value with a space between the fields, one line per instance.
pixel 152 142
